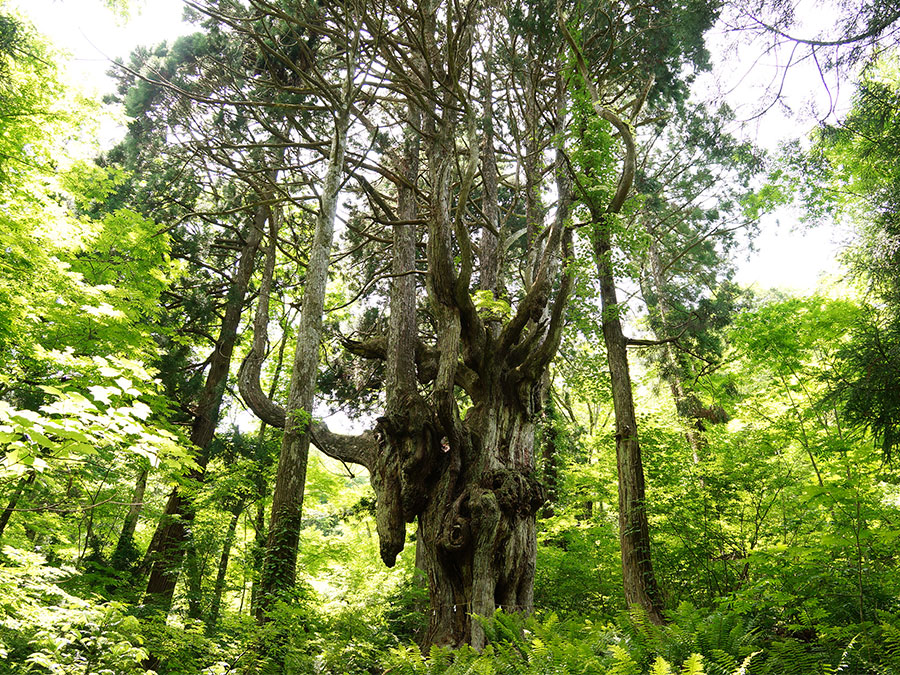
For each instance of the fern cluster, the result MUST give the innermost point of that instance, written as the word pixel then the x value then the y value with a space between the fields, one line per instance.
pixel 693 643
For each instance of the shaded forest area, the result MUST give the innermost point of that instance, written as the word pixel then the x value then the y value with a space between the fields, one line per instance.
pixel 404 338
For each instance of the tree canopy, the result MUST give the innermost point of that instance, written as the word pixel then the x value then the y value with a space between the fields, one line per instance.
pixel 405 338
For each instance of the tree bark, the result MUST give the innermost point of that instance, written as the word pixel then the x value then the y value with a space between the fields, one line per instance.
pixel 550 457
pixel 125 551
pixel 639 581
pixel 673 368
pixel 166 549
pixel 638 578
pixel 259 540
pixel 193 580
pixel 14 500
pixel 279 566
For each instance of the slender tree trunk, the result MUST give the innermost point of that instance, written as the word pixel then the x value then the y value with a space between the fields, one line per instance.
pixel 533 170
pixel 125 551
pixel 167 549
pixel 634 533
pixel 491 255
pixel 259 550
pixel 549 453
pixel 673 370
pixel 193 580
pixel 213 616
pixel 639 581
pixel 14 500
pixel 280 561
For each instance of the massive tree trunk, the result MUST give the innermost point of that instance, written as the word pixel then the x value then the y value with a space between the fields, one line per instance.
pixel 478 527
pixel 467 477
pixel 167 549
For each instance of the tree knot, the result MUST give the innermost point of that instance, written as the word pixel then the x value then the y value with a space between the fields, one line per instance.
pixel 517 493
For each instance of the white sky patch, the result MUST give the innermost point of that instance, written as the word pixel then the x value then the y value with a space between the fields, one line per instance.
pixel 790 256
pixel 94 36
pixel 774 105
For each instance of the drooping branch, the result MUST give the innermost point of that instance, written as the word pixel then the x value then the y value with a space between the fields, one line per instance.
pixel 426 359
pixel 248 374
pixel 873 31
pixel 354 449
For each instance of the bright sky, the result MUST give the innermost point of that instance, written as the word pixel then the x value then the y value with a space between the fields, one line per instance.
pixel 94 35
pixel 784 256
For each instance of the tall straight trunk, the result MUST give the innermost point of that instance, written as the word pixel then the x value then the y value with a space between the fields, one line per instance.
pixel 259 540
pixel 249 376
pixel 491 255
pixel 193 581
pixel 14 500
pixel 213 616
pixel 167 549
pixel 639 581
pixel 550 456
pixel 279 565
pixel 638 578
pixel 125 550
pixel 533 170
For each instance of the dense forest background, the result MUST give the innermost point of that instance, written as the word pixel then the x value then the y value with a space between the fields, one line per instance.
pixel 405 338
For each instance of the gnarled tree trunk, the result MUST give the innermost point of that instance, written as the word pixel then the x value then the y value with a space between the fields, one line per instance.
pixel 478 527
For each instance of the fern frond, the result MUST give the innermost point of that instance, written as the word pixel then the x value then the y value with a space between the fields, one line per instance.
pixel 790 657
pixel 891 636
pixel 844 663
pixel 719 662
pixel 745 664
pixel 623 664
pixel 693 665
pixel 661 667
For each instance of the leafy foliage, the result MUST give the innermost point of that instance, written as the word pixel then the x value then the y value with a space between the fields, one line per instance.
pixel 77 637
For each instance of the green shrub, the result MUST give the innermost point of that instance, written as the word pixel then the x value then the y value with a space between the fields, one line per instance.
pixel 45 629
